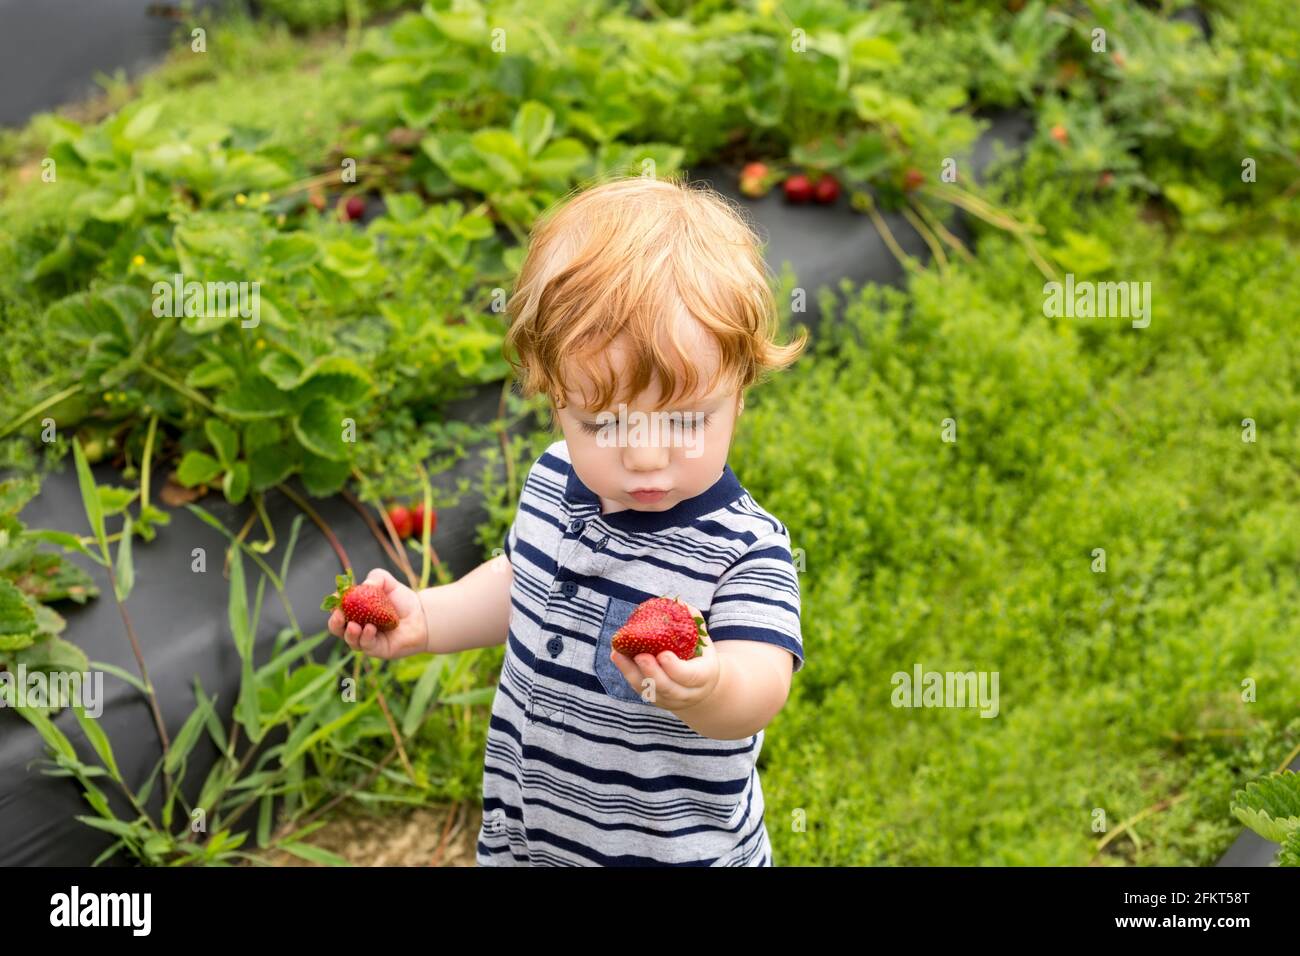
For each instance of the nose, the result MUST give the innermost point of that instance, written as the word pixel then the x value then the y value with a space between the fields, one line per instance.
pixel 646 456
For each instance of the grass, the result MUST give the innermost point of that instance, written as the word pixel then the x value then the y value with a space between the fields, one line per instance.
pixel 1121 690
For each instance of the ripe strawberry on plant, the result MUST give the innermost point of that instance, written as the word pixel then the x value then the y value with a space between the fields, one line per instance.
pixel 417 520
pixel 913 179
pixel 351 208
pixel 827 189
pixel 1060 134
pixel 402 520
pixel 661 624
pixel 362 603
pixel 798 188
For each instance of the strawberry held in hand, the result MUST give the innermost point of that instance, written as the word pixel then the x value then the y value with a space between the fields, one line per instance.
pixel 661 624
pixel 362 603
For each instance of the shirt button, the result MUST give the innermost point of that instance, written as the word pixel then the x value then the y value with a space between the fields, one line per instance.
pixel 569 588
pixel 600 545
pixel 576 525
pixel 555 645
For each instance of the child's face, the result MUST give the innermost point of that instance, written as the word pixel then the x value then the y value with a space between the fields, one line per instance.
pixel 681 449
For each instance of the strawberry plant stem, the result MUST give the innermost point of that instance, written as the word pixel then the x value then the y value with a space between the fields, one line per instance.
pixel 886 234
pixel 941 231
pixel 360 509
pixel 259 503
pixel 144 676
pixel 239 540
pixel 403 563
pixel 40 407
pixel 146 463
pixel 927 234
pixel 177 386
pixel 1289 757
pixel 319 522
pixel 429 553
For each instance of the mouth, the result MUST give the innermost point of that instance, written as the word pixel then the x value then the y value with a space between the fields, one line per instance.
pixel 648 495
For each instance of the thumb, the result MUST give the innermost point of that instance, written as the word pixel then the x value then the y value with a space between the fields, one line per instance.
pixel 382 579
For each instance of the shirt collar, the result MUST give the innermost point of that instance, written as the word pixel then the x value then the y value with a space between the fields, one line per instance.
pixel 718 495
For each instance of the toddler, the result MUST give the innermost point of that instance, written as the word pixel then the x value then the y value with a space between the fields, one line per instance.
pixel 643 311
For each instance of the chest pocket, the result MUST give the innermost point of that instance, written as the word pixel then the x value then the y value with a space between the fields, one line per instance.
pixel 611 678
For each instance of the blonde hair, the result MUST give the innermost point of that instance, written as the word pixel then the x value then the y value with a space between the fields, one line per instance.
pixel 635 255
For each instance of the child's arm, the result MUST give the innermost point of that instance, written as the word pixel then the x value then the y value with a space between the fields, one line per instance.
pixel 753 684
pixel 730 692
pixel 472 611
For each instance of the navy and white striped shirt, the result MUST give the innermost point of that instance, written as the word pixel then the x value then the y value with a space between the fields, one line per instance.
pixel 579 769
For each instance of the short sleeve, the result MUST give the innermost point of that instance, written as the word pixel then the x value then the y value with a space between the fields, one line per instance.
pixel 510 539
pixel 757 598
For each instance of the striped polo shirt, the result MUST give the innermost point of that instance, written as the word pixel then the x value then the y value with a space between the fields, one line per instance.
pixel 579 770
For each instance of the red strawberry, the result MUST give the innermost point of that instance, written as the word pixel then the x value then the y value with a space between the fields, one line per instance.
pixel 913 179
pixel 351 208
pixel 402 521
pixel 661 624
pixel 827 189
pixel 1060 134
pixel 798 188
pixel 363 603
pixel 417 520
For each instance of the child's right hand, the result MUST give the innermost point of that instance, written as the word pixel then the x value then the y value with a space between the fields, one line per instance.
pixel 411 636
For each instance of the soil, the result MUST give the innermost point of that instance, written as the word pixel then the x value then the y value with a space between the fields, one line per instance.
pixel 392 838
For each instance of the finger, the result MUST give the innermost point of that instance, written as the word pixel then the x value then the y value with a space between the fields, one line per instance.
pixel 335 623
pixel 627 668
pixel 382 579
pixel 349 637
pixel 680 672
pixel 652 669
pixel 368 636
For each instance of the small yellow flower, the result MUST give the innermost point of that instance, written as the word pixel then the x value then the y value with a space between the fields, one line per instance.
pixel 108 396
pixel 264 198
pixel 137 260
pixel 261 343
pixel 765 7
pixel 121 396
pixel 241 199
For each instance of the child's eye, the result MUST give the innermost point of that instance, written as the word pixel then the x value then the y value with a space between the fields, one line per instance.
pixel 689 423
pixel 593 428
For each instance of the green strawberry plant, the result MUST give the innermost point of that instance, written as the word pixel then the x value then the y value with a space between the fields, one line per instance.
pixel 31 580
pixel 1271 807
pixel 520 170
pixel 292 697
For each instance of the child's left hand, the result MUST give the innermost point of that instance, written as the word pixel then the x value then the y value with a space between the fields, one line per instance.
pixel 676 684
